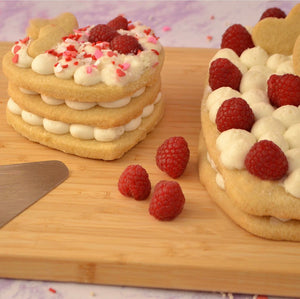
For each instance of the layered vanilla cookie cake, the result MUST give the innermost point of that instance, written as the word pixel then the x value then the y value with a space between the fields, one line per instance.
pixel 249 149
pixel 94 92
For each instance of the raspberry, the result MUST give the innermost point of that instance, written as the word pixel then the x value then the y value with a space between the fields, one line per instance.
pixel 125 44
pixel 167 201
pixel 134 182
pixel 284 90
pixel 235 113
pixel 237 38
pixel 266 160
pixel 118 23
pixel 223 72
pixel 273 12
pixel 172 156
pixel 102 33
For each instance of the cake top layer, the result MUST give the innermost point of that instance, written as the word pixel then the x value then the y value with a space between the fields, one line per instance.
pixel 115 53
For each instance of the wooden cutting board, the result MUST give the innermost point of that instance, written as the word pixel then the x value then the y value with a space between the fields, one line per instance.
pixel 85 231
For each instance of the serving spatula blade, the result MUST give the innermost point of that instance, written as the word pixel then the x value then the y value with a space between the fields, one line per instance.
pixel 21 185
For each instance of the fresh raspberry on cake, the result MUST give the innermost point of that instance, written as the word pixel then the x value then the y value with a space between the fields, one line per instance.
pixel 102 33
pixel 172 156
pixel 237 38
pixel 235 113
pixel 118 23
pixel 223 72
pixel 266 160
pixel 284 90
pixel 167 201
pixel 273 12
pixel 134 182
pixel 125 44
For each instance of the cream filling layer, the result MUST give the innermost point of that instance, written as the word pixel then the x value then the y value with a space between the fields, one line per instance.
pixel 85 106
pixel 78 130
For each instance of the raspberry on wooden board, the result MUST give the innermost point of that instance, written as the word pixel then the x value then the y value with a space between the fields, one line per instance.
pixel 172 156
pixel 134 182
pixel 167 201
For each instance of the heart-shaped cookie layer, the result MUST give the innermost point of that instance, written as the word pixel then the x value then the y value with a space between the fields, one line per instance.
pixel 278 35
pixel 296 56
pixel 47 33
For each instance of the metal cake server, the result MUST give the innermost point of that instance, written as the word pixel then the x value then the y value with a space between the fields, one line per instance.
pixel 23 184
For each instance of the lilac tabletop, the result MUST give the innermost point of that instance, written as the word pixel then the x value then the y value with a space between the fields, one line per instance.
pixel 179 24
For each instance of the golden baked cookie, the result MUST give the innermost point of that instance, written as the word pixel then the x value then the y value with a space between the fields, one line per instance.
pixel 296 56
pixel 67 89
pixel 96 116
pixel 88 148
pixel 278 35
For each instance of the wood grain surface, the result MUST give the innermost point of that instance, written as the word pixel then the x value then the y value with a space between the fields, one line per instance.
pixel 86 231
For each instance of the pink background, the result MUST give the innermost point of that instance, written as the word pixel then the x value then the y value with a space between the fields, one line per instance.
pixel 190 22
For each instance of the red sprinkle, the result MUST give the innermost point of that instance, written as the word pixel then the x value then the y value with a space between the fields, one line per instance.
pixel 131 26
pixel 86 55
pixel 166 28
pixel 120 73
pixel 209 38
pixel 83 28
pixel 147 31
pixel 52 290
pixel 15 59
pixel 54 53
pixel 25 40
pixel 76 63
pixel 155 51
pixel 16 49
pixel 111 54
pixel 71 48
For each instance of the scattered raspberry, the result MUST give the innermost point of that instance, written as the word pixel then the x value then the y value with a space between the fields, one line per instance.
pixel 235 113
pixel 125 44
pixel 284 90
pixel 237 38
pixel 223 72
pixel 134 182
pixel 273 12
pixel 266 160
pixel 102 33
pixel 172 156
pixel 118 23
pixel 167 201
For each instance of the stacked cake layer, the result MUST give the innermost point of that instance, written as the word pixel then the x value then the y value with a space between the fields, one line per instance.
pixel 94 91
pixel 237 164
